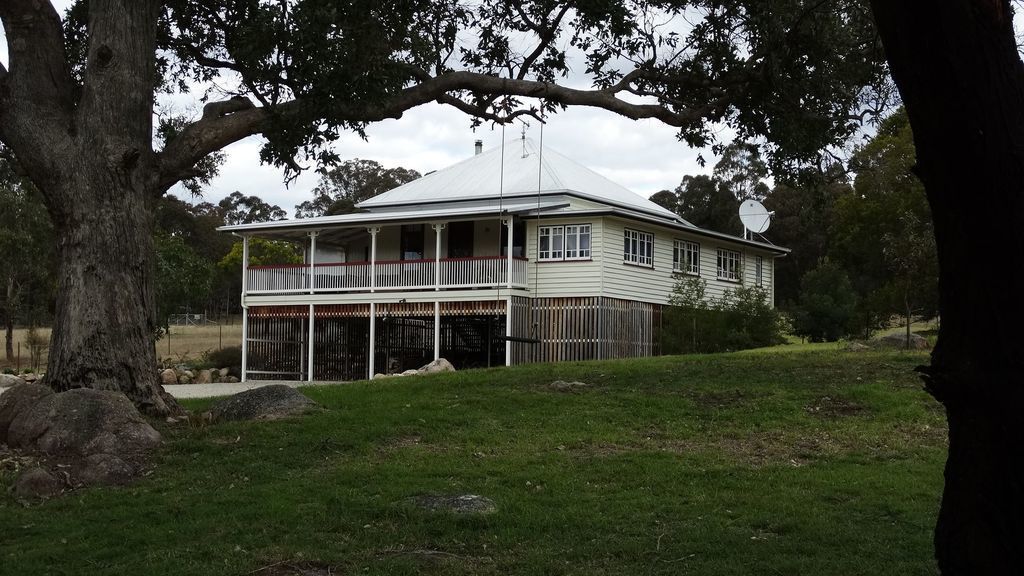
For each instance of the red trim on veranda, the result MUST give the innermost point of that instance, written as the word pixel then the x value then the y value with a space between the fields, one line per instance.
pixel 365 262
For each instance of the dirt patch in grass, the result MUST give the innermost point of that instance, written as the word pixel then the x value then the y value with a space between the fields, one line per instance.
pixel 831 407
pixel 773 448
pixel 437 558
pixel 723 399
pixel 295 568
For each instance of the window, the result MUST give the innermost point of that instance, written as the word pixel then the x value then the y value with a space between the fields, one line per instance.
pixel 758 270
pixel 570 242
pixel 577 242
pixel 686 257
pixel 728 265
pixel 411 240
pixel 638 248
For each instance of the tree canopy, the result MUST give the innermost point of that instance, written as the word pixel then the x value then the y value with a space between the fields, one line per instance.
pixel 349 183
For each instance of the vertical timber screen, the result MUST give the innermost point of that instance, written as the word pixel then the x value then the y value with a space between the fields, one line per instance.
pixel 277 342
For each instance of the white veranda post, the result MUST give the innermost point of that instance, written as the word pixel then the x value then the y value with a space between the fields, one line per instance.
pixel 312 260
pixel 437 286
pixel 508 302
pixel 245 307
pixel 373 305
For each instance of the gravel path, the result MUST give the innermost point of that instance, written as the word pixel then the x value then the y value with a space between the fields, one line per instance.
pixel 214 390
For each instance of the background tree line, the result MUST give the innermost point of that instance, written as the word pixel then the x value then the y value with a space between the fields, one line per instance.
pixel 863 249
pixel 198 268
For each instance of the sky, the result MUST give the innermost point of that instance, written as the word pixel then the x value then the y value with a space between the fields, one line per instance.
pixel 644 156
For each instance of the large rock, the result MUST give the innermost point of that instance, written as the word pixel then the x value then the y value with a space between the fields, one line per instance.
pixel 204 377
pixel 168 377
pixel 439 365
pixel 81 423
pixel 265 403
pixel 16 400
pixel 917 342
pixel 8 380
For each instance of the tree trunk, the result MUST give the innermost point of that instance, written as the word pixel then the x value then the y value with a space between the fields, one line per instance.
pixel 104 328
pixel 960 77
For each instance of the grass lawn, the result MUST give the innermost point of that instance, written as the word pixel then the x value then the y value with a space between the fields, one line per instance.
pixel 803 462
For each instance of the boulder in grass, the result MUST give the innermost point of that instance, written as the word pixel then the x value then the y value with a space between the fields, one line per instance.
pixel 917 342
pixel 8 380
pixel 16 400
pixel 83 422
pixel 265 403
pixel 36 484
pixel 439 365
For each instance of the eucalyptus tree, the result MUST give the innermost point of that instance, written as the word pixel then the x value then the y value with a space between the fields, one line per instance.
pixel 348 184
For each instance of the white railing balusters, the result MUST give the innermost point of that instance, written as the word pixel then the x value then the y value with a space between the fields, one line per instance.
pixel 479 272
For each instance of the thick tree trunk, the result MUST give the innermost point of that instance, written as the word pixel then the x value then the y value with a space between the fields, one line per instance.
pixel 962 81
pixel 89 150
pixel 103 335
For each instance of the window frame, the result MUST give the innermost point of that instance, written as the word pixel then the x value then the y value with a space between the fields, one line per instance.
pixel 639 240
pixel 681 247
pixel 725 255
pixel 759 270
pixel 560 231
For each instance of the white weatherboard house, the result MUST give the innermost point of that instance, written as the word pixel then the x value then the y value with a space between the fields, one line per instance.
pixel 517 254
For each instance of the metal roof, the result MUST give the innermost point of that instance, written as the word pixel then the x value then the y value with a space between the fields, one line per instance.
pixel 368 218
pixel 518 169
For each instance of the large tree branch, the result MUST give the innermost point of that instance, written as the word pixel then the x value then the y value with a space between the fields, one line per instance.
pixel 36 91
pixel 211 133
pixel 35 48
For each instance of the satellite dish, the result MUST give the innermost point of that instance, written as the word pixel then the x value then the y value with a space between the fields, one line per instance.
pixel 755 217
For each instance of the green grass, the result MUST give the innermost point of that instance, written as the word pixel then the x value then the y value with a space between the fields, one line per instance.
pixel 799 462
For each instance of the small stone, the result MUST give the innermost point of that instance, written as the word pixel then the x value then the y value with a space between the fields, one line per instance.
pixel 204 377
pixel 410 373
pixel 456 504
pixel 439 365
pixel 36 484
pixel 223 372
pixel 230 380
pixel 563 386
pixel 857 347
pixel 168 377
pixel 105 470
pixel 30 377
pixel 184 379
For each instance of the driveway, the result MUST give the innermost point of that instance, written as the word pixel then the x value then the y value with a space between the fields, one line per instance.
pixel 214 390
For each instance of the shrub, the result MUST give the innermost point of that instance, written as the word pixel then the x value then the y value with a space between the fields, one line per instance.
pixel 8 370
pixel 828 304
pixel 230 358
pixel 740 319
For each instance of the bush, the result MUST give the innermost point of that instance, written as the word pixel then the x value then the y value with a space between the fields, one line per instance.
pixel 740 319
pixel 230 358
pixel 8 370
pixel 828 305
